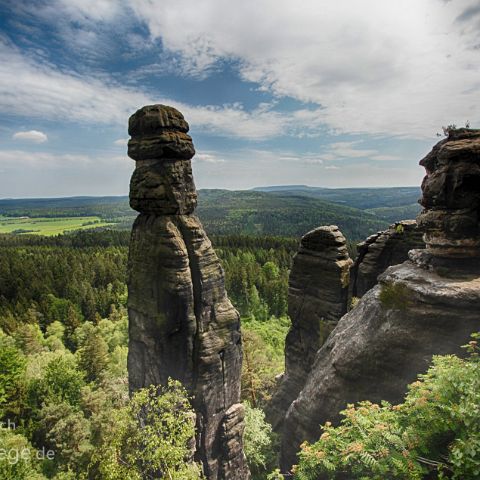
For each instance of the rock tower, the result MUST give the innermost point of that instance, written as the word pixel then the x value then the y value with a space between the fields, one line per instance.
pixel 181 322
pixel 451 199
pixel 380 251
pixel 317 299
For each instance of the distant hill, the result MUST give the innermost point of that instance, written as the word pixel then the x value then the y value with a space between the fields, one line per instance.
pixel 363 198
pixel 284 210
pixel 253 212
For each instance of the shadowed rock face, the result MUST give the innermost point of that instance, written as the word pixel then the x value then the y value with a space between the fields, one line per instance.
pixel 317 299
pixel 451 196
pixel 380 251
pixel 181 322
pixel 426 306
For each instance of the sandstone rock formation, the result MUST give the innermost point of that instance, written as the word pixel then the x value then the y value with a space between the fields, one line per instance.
pixel 451 196
pixel 380 251
pixel 181 322
pixel 317 299
pixel 426 306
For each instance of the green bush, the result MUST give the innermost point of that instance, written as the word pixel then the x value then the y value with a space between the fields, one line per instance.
pixel 435 433
pixel 260 443
pixel 151 438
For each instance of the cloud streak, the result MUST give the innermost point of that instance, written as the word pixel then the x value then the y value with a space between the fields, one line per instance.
pixel 31 88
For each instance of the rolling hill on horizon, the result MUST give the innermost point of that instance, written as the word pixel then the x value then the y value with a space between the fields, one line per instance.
pixel 282 210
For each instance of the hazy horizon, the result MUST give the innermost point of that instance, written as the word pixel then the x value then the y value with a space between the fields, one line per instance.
pixel 227 189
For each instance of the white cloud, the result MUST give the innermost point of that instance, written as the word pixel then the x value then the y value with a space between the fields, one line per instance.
pixel 402 68
pixel 256 167
pixel 31 136
pixel 42 159
pixel 32 89
pixel 353 150
pixel 121 142
pixel 389 68
pixel 52 174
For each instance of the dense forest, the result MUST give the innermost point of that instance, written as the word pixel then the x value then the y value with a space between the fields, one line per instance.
pixel 287 212
pixel 63 325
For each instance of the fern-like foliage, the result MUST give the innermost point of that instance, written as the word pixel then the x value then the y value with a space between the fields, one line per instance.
pixel 435 433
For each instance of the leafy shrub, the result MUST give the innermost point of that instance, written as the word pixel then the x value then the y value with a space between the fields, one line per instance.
pixel 436 431
pixel 18 459
pixel 151 437
pixel 259 442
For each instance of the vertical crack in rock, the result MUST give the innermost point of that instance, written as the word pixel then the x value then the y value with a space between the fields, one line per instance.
pixel 181 322
pixel 317 299
pixel 426 306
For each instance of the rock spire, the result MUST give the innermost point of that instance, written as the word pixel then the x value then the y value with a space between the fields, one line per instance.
pixel 317 299
pixel 451 197
pixel 181 322
pixel 380 251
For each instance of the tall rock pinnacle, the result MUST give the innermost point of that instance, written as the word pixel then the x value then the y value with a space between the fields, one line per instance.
pixel 181 322
pixel 317 299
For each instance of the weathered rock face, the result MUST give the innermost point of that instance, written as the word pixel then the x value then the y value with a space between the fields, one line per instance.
pixel 426 306
pixel 451 196
pixel 317 299
pixel 379 347
pixel 181 322
pixel 380 251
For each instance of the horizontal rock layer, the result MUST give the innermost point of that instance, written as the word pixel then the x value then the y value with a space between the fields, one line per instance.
pixel 451 195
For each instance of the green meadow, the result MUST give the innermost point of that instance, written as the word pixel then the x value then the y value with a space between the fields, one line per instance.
pixel 49 226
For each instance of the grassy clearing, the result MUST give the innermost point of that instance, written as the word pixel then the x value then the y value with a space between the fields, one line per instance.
pixel 48 226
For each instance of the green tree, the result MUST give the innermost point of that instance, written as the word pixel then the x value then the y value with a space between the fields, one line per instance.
pixel 93 356
pixel 260 443
pixel 29 338
pixel 61 381
pixel 12 369
pixel 152 438
pixel 18 461
pixel 64 430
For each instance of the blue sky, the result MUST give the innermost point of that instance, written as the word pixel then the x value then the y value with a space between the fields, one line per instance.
pixel 332 94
